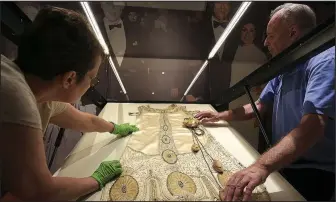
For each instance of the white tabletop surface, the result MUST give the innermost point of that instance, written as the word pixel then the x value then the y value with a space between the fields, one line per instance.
pixel 93 148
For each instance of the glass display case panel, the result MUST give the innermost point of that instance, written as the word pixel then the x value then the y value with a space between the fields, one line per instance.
pixel 148 38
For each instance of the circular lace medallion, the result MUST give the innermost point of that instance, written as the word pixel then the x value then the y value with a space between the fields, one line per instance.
pixel 125 188
pixel 180 184
pixel 199 132
pixel 165 139
pixel 169 156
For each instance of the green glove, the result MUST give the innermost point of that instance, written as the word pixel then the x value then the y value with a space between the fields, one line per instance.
pixel 106 172
pixel 124 129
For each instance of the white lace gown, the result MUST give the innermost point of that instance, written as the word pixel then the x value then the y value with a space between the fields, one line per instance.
pixel 158 163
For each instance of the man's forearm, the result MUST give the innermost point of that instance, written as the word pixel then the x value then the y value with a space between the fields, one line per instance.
pixel 292 146
pixel 241 113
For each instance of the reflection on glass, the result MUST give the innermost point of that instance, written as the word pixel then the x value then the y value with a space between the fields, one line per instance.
pixel 220 20
pixel 147 39
pixel 167 78
pixel 219 67
pixel 8 48
pixel 115 29
pixel 248 56
pixel 29 8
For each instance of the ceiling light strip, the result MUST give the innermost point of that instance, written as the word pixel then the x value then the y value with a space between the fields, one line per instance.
pixel 116 74
pixel 95 26
pixel 196 77
pixel 240 12
pixel 101 40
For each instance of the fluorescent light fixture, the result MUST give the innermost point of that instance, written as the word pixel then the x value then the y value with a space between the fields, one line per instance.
pixel 94 25
pixel 196 77
pixel 93 22
pixel 116 74
pixel 241 10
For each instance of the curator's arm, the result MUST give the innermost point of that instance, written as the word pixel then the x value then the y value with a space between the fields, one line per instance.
pixel 72 118
pixel 318 108
pixel 293 145
pixel 24 170
pixel 296 143
pixel 238 114
pixel 27 177
pixel 243 113
pixel 75 119
pixel 266 99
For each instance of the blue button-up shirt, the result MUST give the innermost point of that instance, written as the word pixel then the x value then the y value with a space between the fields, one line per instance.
pixel 308 89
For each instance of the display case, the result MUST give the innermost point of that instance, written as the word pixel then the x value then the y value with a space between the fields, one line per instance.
pixel 158 48
pixel 162 53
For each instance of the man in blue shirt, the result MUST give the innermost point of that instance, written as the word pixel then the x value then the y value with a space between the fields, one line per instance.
pixel 303 116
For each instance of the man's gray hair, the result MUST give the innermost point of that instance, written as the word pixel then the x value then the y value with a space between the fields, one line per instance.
pixel 299 14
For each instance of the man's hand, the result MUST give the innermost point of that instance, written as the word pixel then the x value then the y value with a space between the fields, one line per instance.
pixel 106 172
pixel 209 116
pixel 124 129
pixel 241 184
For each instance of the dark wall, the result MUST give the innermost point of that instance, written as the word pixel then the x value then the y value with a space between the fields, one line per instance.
pixel 175 42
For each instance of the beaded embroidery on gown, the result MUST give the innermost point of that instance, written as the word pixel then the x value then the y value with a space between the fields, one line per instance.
pixel 159 164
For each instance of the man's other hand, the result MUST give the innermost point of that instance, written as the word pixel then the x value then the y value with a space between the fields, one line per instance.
pixel 208 116
pixel 241 184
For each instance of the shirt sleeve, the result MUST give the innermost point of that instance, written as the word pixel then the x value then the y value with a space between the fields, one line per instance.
pixel 267 95
pixel 58 108
pixel 18 105
pixel 320 91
